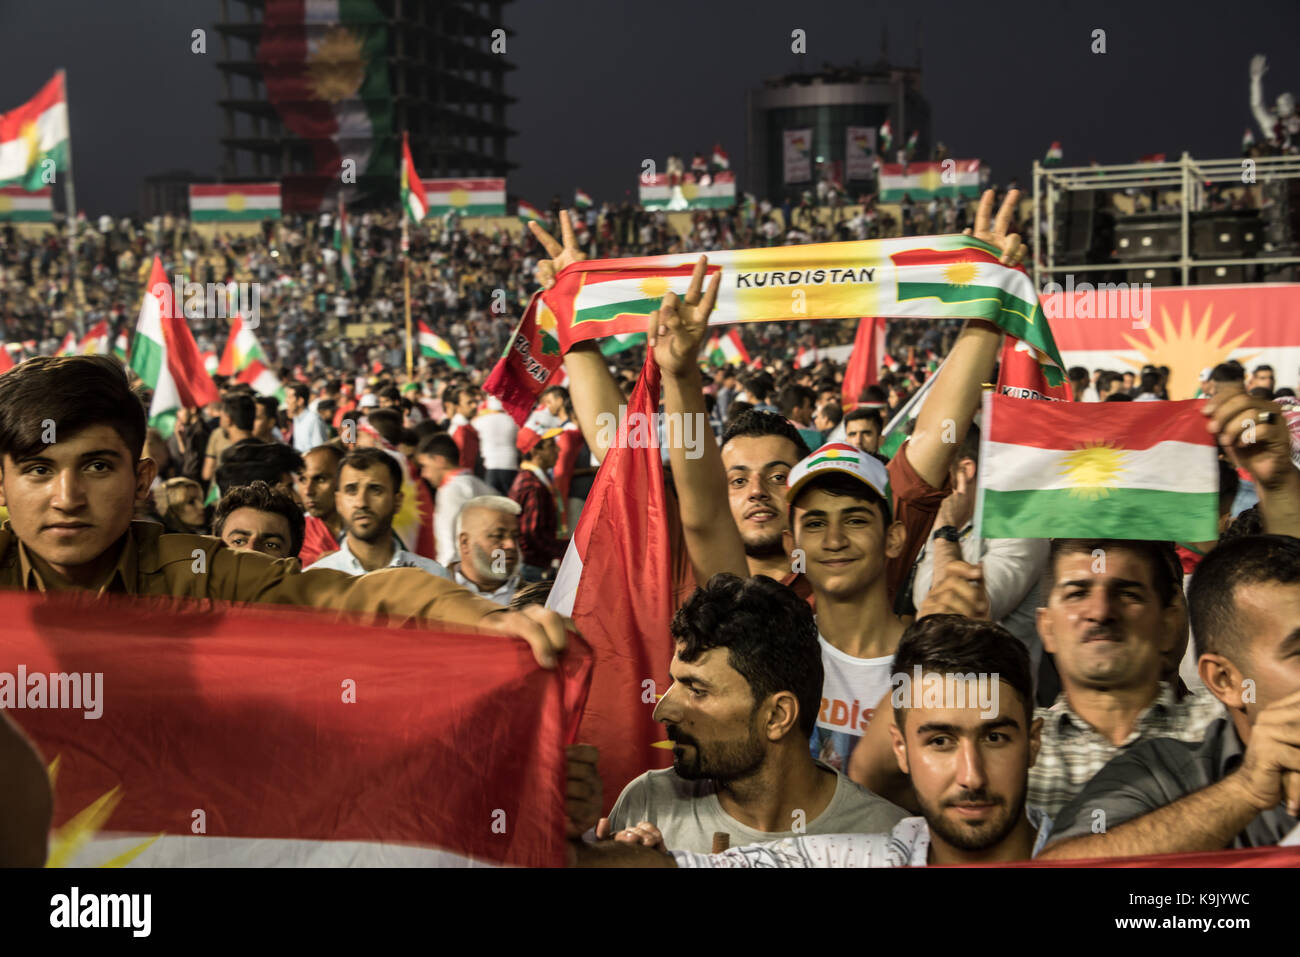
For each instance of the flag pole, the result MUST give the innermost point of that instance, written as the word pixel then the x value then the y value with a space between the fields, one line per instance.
pixel 406 271
pixel 70 200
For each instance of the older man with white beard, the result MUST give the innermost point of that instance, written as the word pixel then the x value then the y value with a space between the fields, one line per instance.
pixel 487 541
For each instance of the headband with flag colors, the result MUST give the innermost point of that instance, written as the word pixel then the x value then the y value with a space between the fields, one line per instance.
pixel 434 346
pixel 166 358
pixel 927 277
pixel 1123 470
pixel 414 200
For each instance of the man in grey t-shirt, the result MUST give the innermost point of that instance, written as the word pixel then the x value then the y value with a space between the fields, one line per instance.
pixel 747 684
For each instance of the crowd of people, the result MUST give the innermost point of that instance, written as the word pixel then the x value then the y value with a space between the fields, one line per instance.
pixel 824 553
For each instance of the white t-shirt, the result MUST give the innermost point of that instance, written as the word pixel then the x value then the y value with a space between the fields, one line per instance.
pixel 496 440
pixel 851 689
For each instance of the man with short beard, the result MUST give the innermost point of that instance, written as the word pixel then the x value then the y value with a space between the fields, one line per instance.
pixel 747 681
pixel 369 495
pixel 969 758
pixel 487 539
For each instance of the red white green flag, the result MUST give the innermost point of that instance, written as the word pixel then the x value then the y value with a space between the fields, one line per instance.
pixel 931 277
pixel 727 348
pixel 528 212
pixel 68 347
pixel 268 736
pixel 33 133
pixel 414 200
pixel 96 341
pixel 434 346
pixel 241 349
pixel 1123 470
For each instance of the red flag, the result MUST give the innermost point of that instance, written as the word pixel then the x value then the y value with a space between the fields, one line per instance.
pixel 864 361
pixel 1020 374
pixel 193 384
pixel 6 360
pixel 616 584
pixel 302 740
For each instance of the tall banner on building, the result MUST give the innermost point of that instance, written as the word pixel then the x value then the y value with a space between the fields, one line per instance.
pixel 859 151
pixel 1123 327
pixel 797 153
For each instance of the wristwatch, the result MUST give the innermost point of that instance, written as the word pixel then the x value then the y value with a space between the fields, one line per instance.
pixel 949 533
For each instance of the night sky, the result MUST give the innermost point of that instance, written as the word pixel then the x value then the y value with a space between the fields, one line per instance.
pixel 603 84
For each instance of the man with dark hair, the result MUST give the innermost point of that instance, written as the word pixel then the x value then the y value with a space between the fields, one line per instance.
pixel 259 518
pixel 309 430
pixel 963 729
pixel 368 495
pixel 438 457
pixel 266 421
pixel 1110 383
pixel 1240 785
pixel 1262 378
pixel 796 404
pixel 1225 373
pixel 70 486
pixel 251 460
pixel 747 681
pixel 461 401
pixel 236 424
pixel 317 483
pixel 1079 384
pixel 534 491
pixel 862 427
pixel 829 414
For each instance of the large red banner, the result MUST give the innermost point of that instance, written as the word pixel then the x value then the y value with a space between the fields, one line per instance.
pixel 1188 328
pixel 255 736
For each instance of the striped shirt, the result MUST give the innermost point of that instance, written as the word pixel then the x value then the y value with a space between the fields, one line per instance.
pixel 1072 751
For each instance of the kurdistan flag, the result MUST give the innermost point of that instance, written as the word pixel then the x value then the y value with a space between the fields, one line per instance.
pixel 718 193
pixel 527 211
pixel 434 346
pixel 68 347
pixel 165 357
pixel 301 745
pixel 629 294
pixel 1124 470
pixel 325 66
pixel 414 200
pixel 122 346
pixel 926 181
pixel 96 341
pixel 33 133
pixel 234 202
pixel 727 348
pixel 466 197
pixel 581 200
pixel 242 348
pixel 18 205
pixel 622 342
pixel 262 380
pixel 927 277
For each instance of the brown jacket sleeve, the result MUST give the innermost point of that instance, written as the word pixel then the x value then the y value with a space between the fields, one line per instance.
pixel 403 594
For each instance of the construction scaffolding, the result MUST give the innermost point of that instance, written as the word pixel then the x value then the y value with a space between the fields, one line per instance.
pixel 1186 178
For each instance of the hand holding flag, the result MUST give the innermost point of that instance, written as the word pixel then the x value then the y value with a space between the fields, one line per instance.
pixel 676 329
pixel 561 255
pixel 1253 434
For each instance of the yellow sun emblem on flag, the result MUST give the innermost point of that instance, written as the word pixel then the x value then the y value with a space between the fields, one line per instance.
pixel 1093 470
pixel 960 273
pixel 68 840
pixel 235 202
pixel 32 137
pixel 337 69
pixel 6 203
pixel 654 287
pixel 458 197
pixel 690 191
pixel 1187 349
